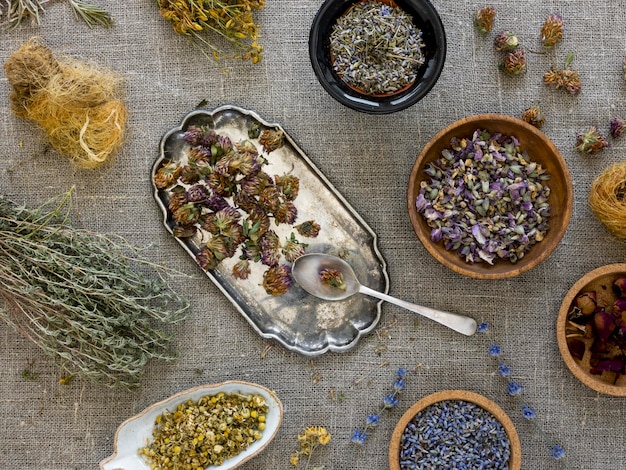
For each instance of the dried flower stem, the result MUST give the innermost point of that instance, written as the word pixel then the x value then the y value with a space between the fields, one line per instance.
pixel 79 296
pixel 18 10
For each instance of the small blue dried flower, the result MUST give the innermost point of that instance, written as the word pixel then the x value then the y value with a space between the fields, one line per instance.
pixel 528 412
pixel 514 388
pixel 358 437
pixel 372 420
pixel 557 452
pixel 398 385
pixel 482 328
pixel 390 400
pixel 494 350
pixel 505 370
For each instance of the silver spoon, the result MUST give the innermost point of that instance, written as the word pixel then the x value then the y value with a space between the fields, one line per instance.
pixel 306 272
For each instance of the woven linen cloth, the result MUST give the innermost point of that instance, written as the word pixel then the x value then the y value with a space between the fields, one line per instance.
pixel 47 425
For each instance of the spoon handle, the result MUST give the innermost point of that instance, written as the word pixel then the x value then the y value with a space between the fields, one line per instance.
pixel 460 323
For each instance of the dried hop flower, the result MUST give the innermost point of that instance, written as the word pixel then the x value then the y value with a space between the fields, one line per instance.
pixel 552 30
pixel 483 20
pixel 514 62
pixel 616 127
pixel 534 116
pixel 505 41
pixel 591 141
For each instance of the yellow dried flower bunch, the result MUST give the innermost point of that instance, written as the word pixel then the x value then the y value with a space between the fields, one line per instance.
pixel 230 19
pixel 309 439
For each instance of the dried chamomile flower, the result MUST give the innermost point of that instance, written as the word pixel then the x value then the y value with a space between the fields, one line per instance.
pixel 483 20
pixel 616 127
pixel 309 439
pixel 514 62
pixel 506 41
pixel 591 141
pixel 534 116
pixel 552 30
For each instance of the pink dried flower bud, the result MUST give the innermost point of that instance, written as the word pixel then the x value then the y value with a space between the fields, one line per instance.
pixel 552 30
pixel 586 302
pixel 514 62
pixel 505 41
pixel 616 127
pixel 484 19
pixel 591 141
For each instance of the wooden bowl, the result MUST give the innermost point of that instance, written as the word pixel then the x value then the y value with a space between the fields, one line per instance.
pixel 515 460
pixel 600 281
pixel 540 150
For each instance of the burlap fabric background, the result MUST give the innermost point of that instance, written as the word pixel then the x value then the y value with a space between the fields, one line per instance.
pixel 46 425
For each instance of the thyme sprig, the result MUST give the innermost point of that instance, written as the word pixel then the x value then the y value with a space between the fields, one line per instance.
pixel 84 298
pixel 17 11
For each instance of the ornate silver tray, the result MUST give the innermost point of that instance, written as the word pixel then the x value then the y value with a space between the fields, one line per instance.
pixel 297 320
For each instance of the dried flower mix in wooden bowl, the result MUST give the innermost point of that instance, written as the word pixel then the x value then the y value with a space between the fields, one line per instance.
pixel 490 196
pixel 591 329
pixel 455 429
pixel 377 56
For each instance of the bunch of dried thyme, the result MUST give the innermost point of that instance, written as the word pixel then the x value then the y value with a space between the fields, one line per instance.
pixel 84 298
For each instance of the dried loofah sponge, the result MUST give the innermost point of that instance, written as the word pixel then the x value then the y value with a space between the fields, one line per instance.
pixel 77 104
pixel 607 199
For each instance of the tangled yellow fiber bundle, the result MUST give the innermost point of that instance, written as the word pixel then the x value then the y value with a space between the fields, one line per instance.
pixel 607 199
pixel 77 104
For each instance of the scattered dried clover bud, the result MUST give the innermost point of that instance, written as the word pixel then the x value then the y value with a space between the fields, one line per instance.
pixel 514 62
pixel 333 278
pixel 220 194
pixel 469 433
pixel 485 199
pixel 552 30
pixel 591 141
pixel 483 20
pixel 565 79
pixel 206 432
pixel 616 127
pixel 506 41
pixel 534 116
pixel 599 329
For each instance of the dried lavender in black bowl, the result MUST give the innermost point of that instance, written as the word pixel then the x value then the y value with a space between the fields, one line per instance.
pixel 426 20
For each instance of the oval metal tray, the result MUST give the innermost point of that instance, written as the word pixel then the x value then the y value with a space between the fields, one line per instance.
pixel 297 320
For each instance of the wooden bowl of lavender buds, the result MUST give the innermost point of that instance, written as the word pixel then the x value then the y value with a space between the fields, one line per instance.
pixel 377 56
pixel 490 196
pixel 591 329
pixel 455 429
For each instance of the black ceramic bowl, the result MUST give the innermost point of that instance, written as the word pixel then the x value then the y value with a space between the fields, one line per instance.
pixel 425 18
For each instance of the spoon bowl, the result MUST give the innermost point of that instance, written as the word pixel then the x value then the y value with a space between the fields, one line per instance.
pixel 307 271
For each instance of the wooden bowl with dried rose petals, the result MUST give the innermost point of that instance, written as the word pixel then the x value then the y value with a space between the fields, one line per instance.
pixel 591 329
pixel 490 196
